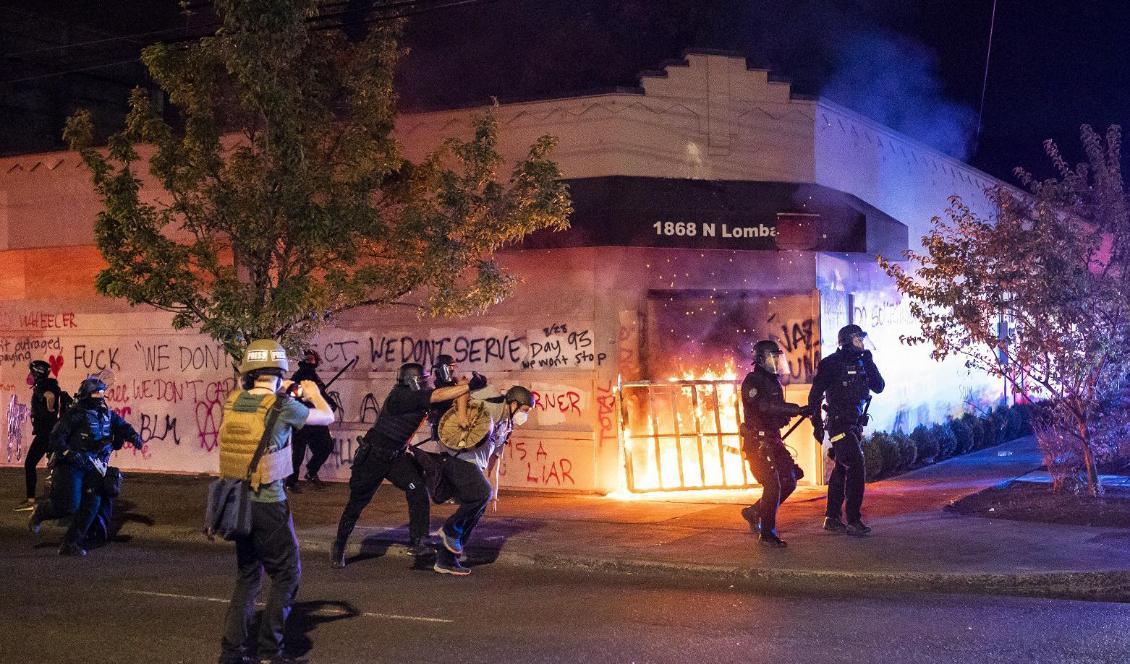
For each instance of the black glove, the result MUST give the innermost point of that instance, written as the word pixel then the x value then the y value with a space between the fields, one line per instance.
pixel 867 356
pixel 818 431
pixel 478 381
pixel 805 411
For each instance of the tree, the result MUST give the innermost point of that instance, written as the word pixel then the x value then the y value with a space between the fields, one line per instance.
pixel 1052 265
pixel 287 200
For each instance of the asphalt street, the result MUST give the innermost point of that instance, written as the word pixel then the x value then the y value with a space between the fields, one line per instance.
pixel 144 602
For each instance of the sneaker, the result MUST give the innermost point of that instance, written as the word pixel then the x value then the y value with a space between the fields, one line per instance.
pixel 315 481
pixel 26 506
pixel 857 528
pixel 770 539
pixel 450 543
pixel 752 518
pixel 293 487
pixel 72 549
pixel 834 525
pixel 450 567
pixel 337 556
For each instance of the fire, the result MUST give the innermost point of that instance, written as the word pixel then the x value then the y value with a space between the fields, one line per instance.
pixel 683 433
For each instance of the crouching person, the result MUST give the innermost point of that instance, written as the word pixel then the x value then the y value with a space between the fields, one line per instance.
pixel 82 481
pixel 263 410
pixel 467 472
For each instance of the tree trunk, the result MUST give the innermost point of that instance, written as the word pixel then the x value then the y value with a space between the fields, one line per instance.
pixel 1094 489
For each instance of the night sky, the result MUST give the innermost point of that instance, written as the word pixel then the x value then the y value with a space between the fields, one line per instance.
pixel 916 66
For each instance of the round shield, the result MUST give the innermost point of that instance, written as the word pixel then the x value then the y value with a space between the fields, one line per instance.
pixel 456 437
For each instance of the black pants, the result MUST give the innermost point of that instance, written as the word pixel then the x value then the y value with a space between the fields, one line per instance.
pixel 775 471
pixel 472 492
pixel 77 493
pixel 321 444
pixel 271 546
pixel 845 485
pixel 40 446
pixel 371 466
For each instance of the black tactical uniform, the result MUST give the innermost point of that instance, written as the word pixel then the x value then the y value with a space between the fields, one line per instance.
pixel 845 380
pixel 765 412
pixel 382 455
pixel 43 419
pixel 317 438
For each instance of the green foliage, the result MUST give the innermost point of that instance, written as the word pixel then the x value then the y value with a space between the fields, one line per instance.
pixel 1054 263
pixel 925 442
pixel 908 451
pixel 286 198
pixel 976 430
pixel 947 443
pixel 873 458
pixel 889 452
pixel 962 436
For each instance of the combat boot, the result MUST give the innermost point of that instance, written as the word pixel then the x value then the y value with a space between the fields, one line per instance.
pixel 833 524
pixel 857 528
pixel 420 547
pixel 337 555
pixel 751 516
pixel 769 538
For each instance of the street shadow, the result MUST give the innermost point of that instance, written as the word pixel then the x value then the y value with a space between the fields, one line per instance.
pixel 490 538
pixel 305 617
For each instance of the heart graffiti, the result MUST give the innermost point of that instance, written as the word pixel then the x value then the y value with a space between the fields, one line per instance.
pixel 56 362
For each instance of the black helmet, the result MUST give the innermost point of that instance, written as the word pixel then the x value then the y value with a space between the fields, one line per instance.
pixel 39 369
pixel 763 348
pixel 441 370
pixel 89 386
pixel 412 376
pixel 520 396
pixel 843 338
pixel 310 358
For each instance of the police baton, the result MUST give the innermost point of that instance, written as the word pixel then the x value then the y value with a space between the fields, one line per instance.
pixel 793 427
pixel 338 374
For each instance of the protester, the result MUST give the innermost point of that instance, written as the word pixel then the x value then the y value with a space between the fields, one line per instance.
pixel 48 401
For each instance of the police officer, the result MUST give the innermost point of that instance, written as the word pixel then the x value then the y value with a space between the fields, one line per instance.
pixel 765 412
pixel 47 402
pixel 383 454
pixel 317 438
pixel 845 380
pixel 81 444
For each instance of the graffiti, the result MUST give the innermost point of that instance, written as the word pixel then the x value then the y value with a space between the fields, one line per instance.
pixel 17 415
pixel 99 359
pixel 341 351
pixel 23 350
pixel 208 416
pixel 56 363
pixel 465 350
pixel 537 468
pixel 567 402
pixel 335 398
pixel 561 347
pixel 158 427
pixel 45 320
pixel 342 454
pixel 628 345
pixel 606 408
pixel 801 340
pixel 210 356
pixel 369 409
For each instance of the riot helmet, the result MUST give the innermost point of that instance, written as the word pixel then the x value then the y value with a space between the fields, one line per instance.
pixel 39 369
pixel 443 370
pixel 847 336
pixel 768 355
pixel 412 376
pixel 91 386
pixel 310 358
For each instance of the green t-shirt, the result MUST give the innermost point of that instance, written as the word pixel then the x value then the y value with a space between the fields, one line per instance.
pixel 292 415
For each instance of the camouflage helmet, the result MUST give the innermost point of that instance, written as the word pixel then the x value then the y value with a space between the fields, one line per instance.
pixel 263 354
pixel 520 396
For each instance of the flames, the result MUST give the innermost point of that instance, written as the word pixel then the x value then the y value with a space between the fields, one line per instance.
pixel 683 433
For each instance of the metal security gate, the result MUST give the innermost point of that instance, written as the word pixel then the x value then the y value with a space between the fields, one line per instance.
pixel 682 434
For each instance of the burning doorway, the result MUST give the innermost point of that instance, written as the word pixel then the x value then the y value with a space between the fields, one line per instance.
pixel 680 429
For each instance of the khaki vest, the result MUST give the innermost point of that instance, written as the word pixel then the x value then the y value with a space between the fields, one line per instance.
pixel 240 433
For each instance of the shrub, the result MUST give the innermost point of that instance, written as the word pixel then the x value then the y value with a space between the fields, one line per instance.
pixel 976 431
pixel 994 426
pixel 873 458
pixel 908 451
pixel 925 443
pixel 888 450
pixel 962 436
pixel 947 444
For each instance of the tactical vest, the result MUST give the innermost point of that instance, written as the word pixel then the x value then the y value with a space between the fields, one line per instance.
pixel 245 419
pixel 849 389
pixel 42 417
pixel 393 432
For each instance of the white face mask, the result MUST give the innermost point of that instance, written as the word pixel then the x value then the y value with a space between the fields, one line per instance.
pixel 520 418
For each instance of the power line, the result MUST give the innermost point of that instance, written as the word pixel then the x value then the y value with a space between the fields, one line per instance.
pixel 316 19
pixel 985 78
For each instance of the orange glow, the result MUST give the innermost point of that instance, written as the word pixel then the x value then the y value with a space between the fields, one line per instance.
pixel 683 433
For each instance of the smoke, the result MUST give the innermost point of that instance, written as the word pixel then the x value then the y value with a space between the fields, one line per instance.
pixel 894 80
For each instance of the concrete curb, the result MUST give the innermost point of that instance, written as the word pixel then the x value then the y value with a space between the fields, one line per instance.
pixel 1106 586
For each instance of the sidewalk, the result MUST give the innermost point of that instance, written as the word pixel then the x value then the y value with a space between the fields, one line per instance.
pixel 916 545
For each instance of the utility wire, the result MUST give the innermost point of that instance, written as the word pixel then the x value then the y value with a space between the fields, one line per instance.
pixel 985 78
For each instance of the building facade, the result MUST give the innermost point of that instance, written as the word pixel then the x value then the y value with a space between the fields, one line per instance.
pixel 712 208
